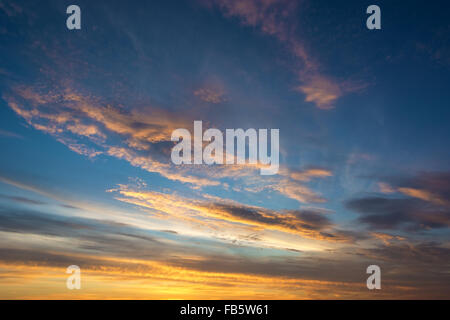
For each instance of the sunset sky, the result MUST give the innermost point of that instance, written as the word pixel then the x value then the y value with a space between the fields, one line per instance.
pixel 86 176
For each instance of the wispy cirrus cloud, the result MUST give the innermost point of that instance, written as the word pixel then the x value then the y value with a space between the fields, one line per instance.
pixel 142 138
pixel 9 134
pixel 292 183
pixel 278 19
pixel 140 132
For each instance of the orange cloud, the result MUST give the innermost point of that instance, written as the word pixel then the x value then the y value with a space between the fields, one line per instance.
pixel 276 18
pixel 423 195
pixel 322 91
pixel 136 133
pixel 210 95
pixel 307 224
pixel 297 191
pixel 85 117
pixel 386 237
pixel 308 174
pixel 386 188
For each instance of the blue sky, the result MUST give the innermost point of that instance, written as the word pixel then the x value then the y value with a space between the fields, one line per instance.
pixel 85 124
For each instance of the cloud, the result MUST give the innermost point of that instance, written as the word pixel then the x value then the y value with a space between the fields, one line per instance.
pixel 105 237
pixel 142 138
pixel 425 207
pixel 10 134
pixel 385 188
pixel 24 221
pixel 292 184
pixel 300 221
pixel 21 199
pixel 205 276
pixel 322 91
pixel 226 214
pixel 248 251
pixel 29 187
pixel 150 164
pixel 99 244
pixel 110 252
pixel 408 214
pixel 418 254
pixel 428 186
pixel 66 112
pixel 195 277
pixel 80 148
pixel 296 191
pixel 308 174
pixel 279 19
pixel 210 95
pixel 291 187
pixel 423 195
pixel 386 238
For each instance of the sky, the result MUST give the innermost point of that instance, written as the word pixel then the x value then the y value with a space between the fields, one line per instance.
pixel 86 176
